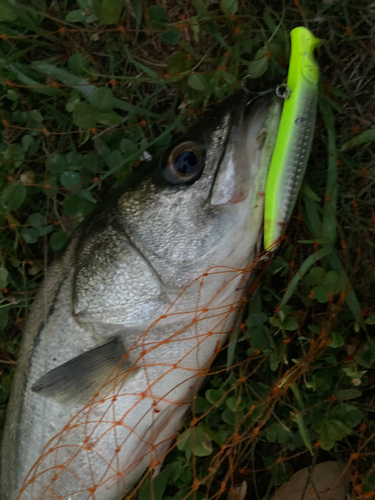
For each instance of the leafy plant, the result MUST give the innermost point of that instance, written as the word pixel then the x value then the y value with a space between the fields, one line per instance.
pixel 91 88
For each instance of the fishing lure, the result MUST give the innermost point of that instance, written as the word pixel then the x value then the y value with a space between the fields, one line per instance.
pixel 294 137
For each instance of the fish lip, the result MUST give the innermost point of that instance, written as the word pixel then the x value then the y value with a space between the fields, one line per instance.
pixel 238 197
pixel 241 194
pixel 232 182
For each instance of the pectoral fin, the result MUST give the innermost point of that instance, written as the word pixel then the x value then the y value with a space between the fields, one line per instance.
pixel 83 376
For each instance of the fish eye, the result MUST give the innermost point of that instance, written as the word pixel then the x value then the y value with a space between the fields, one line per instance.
pixel 185 162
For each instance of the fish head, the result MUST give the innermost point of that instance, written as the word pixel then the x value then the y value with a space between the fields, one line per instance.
pixel 197 207
pixel 202 205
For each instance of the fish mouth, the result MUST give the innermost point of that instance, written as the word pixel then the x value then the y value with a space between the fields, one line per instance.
pixel 248 150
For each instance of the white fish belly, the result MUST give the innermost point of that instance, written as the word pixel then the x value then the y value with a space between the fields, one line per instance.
pixel 99 448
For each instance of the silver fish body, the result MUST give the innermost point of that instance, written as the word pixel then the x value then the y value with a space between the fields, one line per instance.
pixel 150 260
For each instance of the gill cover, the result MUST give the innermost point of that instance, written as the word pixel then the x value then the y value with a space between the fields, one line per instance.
pixel 294 139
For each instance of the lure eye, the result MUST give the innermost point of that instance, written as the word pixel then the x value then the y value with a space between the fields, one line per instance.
pixel 185 162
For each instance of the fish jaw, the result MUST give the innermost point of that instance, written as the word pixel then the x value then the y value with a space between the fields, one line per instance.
pixel 241 162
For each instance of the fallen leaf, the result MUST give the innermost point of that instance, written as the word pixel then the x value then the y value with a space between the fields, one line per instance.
pixel 324 482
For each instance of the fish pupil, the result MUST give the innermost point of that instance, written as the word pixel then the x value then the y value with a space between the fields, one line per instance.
pixel 185 163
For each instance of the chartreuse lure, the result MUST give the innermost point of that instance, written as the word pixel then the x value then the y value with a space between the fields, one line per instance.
pixel 294 138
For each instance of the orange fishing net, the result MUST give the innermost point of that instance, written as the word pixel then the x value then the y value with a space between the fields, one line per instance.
pixel 227 462
pixel 45 481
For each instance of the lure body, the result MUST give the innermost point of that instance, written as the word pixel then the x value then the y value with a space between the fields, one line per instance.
pixel 295 136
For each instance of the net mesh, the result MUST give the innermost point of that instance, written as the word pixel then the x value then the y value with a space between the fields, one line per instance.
pixel 293 383
pixel 43 479
pixel 230 456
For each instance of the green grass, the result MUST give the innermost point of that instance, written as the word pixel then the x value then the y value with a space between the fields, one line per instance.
pixel 86 89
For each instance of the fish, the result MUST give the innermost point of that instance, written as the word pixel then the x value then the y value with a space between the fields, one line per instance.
pixel 129 317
